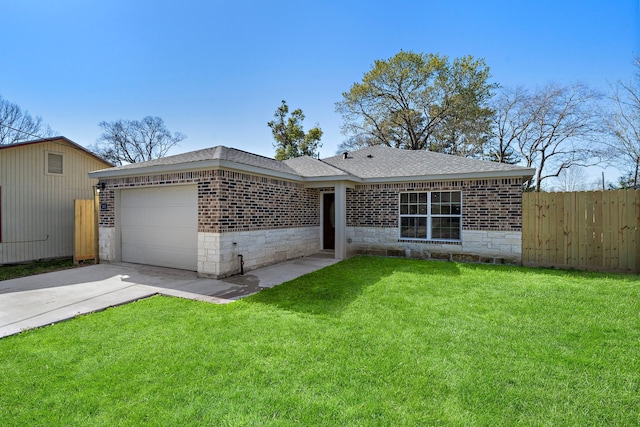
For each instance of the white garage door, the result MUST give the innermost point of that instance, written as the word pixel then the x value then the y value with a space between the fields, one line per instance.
pixel 159 226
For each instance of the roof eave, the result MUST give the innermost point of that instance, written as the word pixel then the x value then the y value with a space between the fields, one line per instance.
pixel 192 166
pixel 339 177
pixel 330 181
pixel 309 180
pixel 520 173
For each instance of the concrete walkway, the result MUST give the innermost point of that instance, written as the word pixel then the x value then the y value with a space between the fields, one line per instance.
pixel 43 299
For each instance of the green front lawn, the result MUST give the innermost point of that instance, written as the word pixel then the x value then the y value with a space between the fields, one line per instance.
pixel 369 341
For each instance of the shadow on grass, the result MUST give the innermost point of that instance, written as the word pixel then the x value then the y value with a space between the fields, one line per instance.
pixel 331 290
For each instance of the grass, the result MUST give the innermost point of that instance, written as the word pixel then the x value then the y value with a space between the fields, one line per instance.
pixel 368 341
pixel 36 267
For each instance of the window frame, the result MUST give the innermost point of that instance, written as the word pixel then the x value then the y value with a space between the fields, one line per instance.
pixel 428 215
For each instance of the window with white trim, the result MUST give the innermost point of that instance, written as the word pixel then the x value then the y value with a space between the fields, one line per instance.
pixel 431 215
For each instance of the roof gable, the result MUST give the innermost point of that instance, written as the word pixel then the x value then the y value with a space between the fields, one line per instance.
pixel 56 139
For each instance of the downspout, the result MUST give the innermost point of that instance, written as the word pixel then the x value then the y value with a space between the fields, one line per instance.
pixel 241 264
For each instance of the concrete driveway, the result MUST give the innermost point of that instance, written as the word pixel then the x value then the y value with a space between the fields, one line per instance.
pixel 40 300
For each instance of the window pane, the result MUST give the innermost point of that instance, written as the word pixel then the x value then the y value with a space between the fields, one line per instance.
pixel 445 210
pixel 404 197
pixel 406 228
pixel 455 209
pixel 445 228
pixel 445 196
pixel 423 197
pixel 413 197
pixel 421 232
pixel 413 228
pixel 436 228
pixel 435 197
pixel 435 209
pixel 454 228
pixel 413 209
pixel 404 209
pixel 455 196
pixel 422 209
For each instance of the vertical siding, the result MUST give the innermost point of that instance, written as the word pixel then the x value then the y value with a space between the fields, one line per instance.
pixel 37 208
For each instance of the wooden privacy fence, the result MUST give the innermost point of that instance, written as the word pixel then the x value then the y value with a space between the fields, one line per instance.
pixel 85 245
pixel 595 230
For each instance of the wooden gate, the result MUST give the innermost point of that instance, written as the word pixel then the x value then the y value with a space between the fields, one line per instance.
pixel 85 231
pixel 595 230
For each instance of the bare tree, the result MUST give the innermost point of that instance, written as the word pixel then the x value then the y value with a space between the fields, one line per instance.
pixel 508 125
pixel 553 128
pixel 572 179
pixel 17 125
pixel 133 141
pixel 623 125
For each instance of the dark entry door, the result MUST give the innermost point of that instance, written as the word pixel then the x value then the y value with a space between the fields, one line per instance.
pixel 329 221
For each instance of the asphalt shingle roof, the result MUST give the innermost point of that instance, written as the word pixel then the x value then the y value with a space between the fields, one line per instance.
pixel 214 153
pixel 385 162
pixel 309 167
pixel 377 162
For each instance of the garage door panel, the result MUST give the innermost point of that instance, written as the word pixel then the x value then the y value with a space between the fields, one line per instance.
pixel 160 256
pixel 160 217
pixel 159 226
pixel 159 199
pixel 150 236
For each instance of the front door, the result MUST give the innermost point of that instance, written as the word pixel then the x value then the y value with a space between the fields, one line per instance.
pixel 329 221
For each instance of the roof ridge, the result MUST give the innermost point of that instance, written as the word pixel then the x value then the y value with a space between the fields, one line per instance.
pixel 248 152
pixel 333 166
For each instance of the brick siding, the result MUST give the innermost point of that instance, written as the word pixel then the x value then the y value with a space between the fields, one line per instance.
pixel 230 201
pixel 107 216
pixel 487 204
pixel 233 201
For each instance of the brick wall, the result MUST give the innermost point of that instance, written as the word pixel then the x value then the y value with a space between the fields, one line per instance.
pixel 107 208
pixel 488 204
pixel 233 201
pixel 230 201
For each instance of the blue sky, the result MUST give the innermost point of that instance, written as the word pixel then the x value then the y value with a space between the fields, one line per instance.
pixel 217 70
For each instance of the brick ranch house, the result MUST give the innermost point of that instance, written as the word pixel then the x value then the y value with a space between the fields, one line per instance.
pixel 202 210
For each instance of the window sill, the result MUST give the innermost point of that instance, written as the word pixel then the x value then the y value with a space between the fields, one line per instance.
pixel 431 242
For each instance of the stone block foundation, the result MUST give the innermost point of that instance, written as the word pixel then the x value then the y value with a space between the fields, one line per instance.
pixel 476 245
pixel 107 244
pixel 218 253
